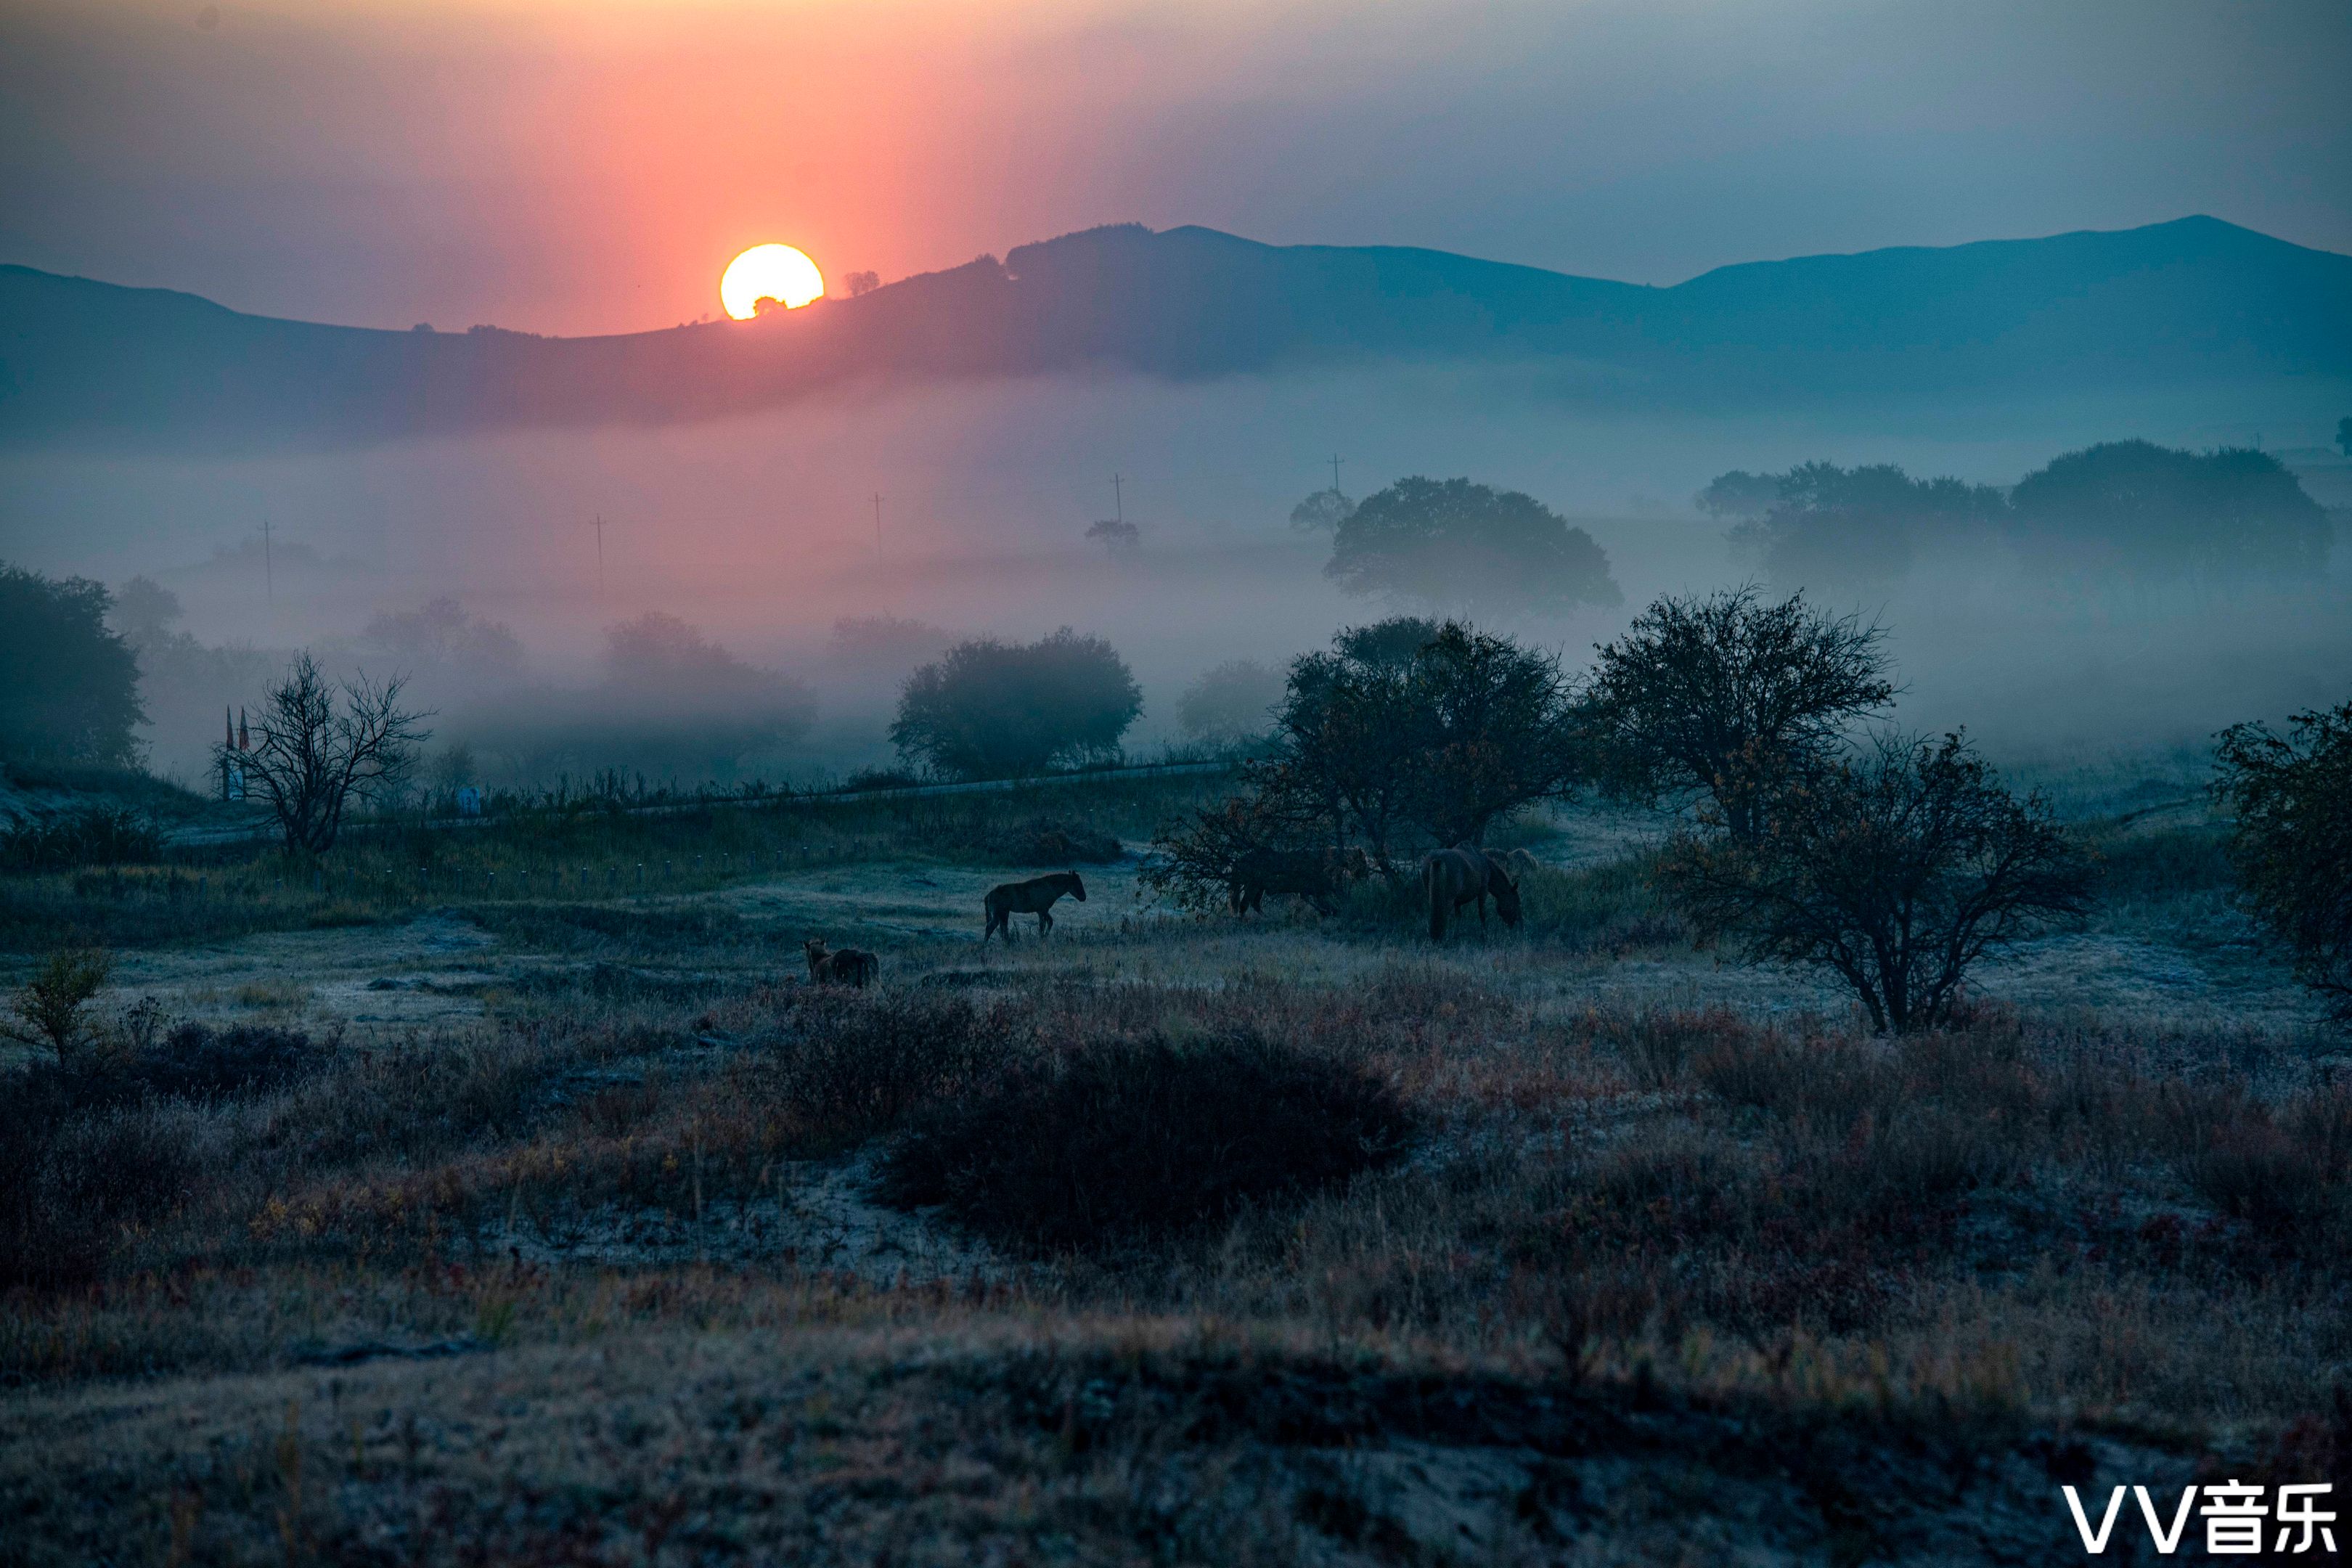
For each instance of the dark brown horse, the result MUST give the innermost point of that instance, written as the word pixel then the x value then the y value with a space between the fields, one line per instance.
pixel 844 966
pixel 1314 874
pixel 1453 877
pixel 1034 897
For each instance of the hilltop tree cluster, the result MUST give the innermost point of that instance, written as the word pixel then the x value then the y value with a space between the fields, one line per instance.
pixel 2128 508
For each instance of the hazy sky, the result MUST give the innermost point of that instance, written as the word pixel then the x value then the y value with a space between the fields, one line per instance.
pixel 591 165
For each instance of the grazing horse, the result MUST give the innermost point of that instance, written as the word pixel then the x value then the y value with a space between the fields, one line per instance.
pixel 1453 877
pixel 1519 862
pixel 1310 874
pixel 1034 897
pixel 849 966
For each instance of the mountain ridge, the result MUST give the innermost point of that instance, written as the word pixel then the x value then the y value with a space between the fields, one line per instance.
pixel 86 363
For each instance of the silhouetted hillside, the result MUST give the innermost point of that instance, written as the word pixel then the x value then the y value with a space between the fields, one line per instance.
pixel 90 362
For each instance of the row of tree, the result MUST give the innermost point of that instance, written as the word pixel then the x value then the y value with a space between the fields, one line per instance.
pixel 2128 507
pixel 1895 862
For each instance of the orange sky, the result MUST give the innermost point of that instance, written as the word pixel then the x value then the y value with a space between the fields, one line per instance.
pixel 577 165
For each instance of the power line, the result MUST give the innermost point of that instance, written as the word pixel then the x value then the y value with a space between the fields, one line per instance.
pixel 1118 497
pixel 600 557
pixel 878 525
pixel 268 570
pixel 1335 474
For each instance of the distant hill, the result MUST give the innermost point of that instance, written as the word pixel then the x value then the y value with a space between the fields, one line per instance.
pixel 84 363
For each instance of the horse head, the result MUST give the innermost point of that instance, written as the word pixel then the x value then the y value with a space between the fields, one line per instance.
pixel 1077 888
pixel 1506 896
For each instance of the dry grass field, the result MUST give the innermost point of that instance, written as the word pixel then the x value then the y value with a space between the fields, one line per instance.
pixel 396 1223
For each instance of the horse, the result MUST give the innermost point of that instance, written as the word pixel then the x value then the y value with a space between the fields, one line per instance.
pixel 1310 874
pixel 849 966
pixel 1034 897
pixel 1453 877
pixel 1519 862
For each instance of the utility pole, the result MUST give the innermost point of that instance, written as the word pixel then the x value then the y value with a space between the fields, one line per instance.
pixel 877 527
pixel 268 571
pixel 1118 497
pixel 600 557
pixel 1335 473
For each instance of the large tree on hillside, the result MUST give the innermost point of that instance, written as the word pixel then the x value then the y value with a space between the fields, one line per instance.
pixel 69 683
pixel 1727 697
pixel 1457 545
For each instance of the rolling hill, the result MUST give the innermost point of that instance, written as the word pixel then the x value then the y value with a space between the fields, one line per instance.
pixel 90 363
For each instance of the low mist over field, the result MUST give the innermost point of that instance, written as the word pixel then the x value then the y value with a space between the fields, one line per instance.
pixel 761 530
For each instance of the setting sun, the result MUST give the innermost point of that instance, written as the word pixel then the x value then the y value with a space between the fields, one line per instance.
pixel 769 273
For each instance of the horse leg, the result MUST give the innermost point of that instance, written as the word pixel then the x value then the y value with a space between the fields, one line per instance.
pixel 1045 922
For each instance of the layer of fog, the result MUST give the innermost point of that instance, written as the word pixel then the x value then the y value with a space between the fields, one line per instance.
pixel 761 533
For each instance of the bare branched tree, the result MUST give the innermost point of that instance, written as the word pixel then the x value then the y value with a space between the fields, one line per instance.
pixel 1730 698
pixel 1897 871
pixel 318 746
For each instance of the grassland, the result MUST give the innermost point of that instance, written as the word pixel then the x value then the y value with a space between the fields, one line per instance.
pixel 568 1225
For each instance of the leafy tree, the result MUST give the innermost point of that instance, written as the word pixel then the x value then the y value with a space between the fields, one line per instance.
pixel 69 683
pixel 1347 730
pixel 1322 512
pixel 995 710
pixel 2292 842
pixel 854 284
pixel 1453 543
pixel 887 641
pixel 1434 725
pixel 1728 696
pixel 1828 526
pixel 1495 731
pixel 318 747
pixel 1230 703
pixel 2344 435
pixel 441 635
pixel 1739 494
pixel 672 703
pixel 1115 536
pixel 2135 506
pixel 1897 870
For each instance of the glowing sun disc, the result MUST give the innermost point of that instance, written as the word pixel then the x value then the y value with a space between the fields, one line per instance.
pixel 769 273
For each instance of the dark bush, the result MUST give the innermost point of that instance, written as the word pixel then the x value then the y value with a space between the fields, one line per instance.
pixel 199 1063
pixel 94 836
pixel 1127 1139
pixel 1043 843
pixel 843 1067
pixel 70 1184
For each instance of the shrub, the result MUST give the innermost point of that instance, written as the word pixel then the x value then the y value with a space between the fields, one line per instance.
pixel 1119 1141
pixel 843 1068
pixel 94 836
pixel 1048 843
pixel 48 1006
